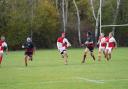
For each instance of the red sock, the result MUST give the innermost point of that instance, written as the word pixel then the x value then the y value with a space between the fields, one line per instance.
pixel 1 59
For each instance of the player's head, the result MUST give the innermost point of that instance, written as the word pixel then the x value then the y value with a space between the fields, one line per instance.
pixel 29 39
pixel 110 34
pixel 63 35
pixel 2 38
pixel 102 34
pixel 89 34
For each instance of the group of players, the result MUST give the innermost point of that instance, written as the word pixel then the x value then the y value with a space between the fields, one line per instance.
pixel 106 45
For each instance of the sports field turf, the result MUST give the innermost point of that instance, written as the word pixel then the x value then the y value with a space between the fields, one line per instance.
pixel 47 71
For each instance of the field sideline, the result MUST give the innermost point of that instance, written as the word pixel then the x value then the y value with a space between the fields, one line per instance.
pixel 47 71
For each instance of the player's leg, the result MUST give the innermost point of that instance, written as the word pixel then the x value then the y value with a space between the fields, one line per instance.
pixel 1 58
pixel 99 54
pixel 26 59
pixel 84 56
pixel 106 53
pixel 61 52
pixel 65 57
pixel 30 56
pixel 91 53
pixel 109 53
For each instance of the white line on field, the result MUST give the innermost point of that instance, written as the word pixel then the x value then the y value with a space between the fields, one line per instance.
pixel 91 80
pixel 41 82
pixel 100 81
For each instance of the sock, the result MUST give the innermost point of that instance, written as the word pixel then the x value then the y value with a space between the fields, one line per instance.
pixel 93 56
pixel 84 57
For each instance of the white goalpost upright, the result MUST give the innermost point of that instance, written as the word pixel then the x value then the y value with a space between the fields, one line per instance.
pixel 100 15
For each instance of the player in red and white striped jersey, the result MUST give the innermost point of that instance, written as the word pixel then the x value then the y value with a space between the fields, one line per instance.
pixel 111 44
pixel 102 46
pixel 3 46
pixel 62 45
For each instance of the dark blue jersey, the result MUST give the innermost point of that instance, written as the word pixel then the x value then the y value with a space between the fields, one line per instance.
pixel 29 46
pixel 89 42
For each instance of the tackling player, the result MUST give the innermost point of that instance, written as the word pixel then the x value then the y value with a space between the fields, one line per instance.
pixel 62 45
pixel 89 47
pixel 3 46
pixel 111 44
pixel 102 45
pixel 29 50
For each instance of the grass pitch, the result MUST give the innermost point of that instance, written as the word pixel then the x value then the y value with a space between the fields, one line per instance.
pixel 47 71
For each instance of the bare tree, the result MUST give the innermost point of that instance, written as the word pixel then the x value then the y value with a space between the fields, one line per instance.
pixel 115 15
pixel 56 2
pixel 78 18
pixel 31 4
pixel 63 15
pixel 66 12
pixel 92 6
pixel 100 15
pixel 96 18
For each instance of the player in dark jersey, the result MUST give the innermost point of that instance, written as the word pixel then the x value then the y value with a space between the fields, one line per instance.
pixel 29 50
pixel 89 43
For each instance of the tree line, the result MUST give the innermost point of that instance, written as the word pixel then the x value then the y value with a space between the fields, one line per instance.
pixel 44 20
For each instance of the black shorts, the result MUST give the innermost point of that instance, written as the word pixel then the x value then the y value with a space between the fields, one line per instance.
pixel 62 52
pixel 91 49
pixel 29 54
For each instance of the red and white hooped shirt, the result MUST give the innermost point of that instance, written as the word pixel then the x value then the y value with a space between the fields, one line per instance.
pixel 102 42
pixel 111 42
pixel 62 42
pixel 2 45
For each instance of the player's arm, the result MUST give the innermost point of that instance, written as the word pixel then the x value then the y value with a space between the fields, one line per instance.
pixel 24 45
pixel 90 41
pixel 68 43
pixel 98 42
pixel 85 43
pixel 7 52
pixel 5 47
pixel 115 43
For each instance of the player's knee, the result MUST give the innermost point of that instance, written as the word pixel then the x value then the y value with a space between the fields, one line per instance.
pixel 85 53
pixel 65 53
pixel 99 55
pixel 92 54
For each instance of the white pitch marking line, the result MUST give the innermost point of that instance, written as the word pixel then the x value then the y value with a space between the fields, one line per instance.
pixel 100 81
pixel 43 82
pixel 91 80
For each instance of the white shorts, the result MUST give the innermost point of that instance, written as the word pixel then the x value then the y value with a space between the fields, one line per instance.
pixel 62 49
pixel 101 48
pixel 1 52
pixel 108 49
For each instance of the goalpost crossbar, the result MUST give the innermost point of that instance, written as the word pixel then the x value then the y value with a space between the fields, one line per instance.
pixel 121 25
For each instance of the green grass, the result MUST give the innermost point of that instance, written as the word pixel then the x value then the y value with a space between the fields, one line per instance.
pixel 47 71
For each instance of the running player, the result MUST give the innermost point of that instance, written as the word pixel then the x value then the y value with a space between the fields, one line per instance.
pixel 102 46
pixel 89 47
pixel 62 45
pixel 29 50
pixel 111 44
pixel 3 46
